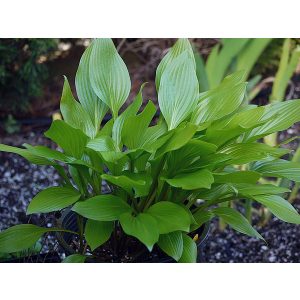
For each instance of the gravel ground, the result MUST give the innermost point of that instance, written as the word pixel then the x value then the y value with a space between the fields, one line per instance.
pixel 20 181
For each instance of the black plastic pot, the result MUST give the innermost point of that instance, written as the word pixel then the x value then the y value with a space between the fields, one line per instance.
pixel 68 220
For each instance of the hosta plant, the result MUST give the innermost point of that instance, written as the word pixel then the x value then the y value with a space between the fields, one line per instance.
pixel 167 176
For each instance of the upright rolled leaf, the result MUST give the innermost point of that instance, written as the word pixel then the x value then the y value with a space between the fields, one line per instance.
pixel 73 112
pixel 87 97
pixel 109 75
pixel 179 47
pixel 179 89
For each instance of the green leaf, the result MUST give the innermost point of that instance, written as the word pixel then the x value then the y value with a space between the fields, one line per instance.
pixel 171 244
pixel 177 138
pixel 109 75
pixel 179 47
pixel 237 177
pixel 53 199
pixel 278 206
pixel 243 153
pixel 201 217
pixel 102 143
pixel 191 181
pixel 278 168
pixel 234 125
pixel 87 97
pixel 201 72
pixel 170 217
pixel 102 208
pixel 97 232
pixel 143 227
pixel 71 140
pixel 278 116
pixel 236 220
pixel 219 102
pixel 73 113
pixel 33 158
pixel 189 253
pixel 134 127
pixel 217 68
pixel 75 258
pixel 178 91
pixel 131 110
pixel 47 153
pixel 250 190
pixel 250 54
pixel 181 160
pixel 20 237
pixel 131 182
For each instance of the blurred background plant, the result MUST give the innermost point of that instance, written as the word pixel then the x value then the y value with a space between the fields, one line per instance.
pixel 22 71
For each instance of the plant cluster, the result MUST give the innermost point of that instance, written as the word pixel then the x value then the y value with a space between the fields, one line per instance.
pixel 168 176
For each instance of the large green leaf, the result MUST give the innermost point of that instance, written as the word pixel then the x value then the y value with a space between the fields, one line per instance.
pixel 191 181
pixel 97 232
pixel 171 244
pixel 234 125
pixel 279 116
pixel 109 75
pixel 48 153
pixel 178 91
pixel 20 237
pixel 170 217
pixel 102 208
pixel 236 220
pixel 278 168
pixel 242 153
pixel 33 158
pixel 143 227
pixel 71 140
pixel 179 47
pixel 219 102
pixel 189 253
pixel 53 199
pixel 75 258
pixel 74 114
pixel 87 97
pixel 278 206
